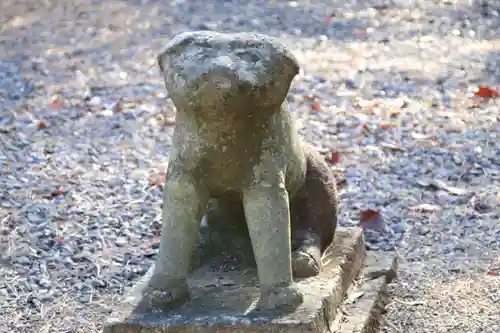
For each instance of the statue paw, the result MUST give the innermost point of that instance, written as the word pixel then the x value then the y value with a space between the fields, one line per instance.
pixel 306 262
pixel 278 297
pixel 166 294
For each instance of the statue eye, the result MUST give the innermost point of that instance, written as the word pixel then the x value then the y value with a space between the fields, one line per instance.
pixel 254 57
pixel 250 57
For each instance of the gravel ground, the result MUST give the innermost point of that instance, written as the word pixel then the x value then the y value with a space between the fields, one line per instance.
pixel 387 93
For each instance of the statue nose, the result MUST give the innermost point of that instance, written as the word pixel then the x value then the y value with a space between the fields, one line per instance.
pixel 224 78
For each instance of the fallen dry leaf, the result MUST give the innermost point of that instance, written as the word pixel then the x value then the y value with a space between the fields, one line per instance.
pixel 57 192
pixel 371 219
pixel 334 158
pixel 315 106
pixel 385 127
pixel 341 182
pixel 487 92
pixel 395 112
pixel 368 214
pixel 118 106
pixel 59 240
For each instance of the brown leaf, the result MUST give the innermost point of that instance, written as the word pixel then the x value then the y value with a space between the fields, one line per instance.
pixel 341 182
pixel 371 219
pixel 395 112
pixel 487 92
pixel 368 215
pixel 57 192
pixel 118 106
pixel 329 18
pixel 334 158
pixel 59 240
pixel 385 127
pixel 492 273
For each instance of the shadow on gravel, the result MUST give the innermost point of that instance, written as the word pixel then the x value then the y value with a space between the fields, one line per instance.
pixel 301 19
pixel 340 21
pixel 120 29
pixel 124 36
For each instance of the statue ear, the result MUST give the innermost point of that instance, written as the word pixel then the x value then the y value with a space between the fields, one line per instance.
pixel 175 46
pixel 164 57
pixel 289 68
pixel 290 64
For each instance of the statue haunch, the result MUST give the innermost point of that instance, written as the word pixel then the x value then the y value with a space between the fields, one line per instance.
pixel 235 142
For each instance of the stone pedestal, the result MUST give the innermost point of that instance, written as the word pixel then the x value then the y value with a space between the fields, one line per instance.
pixel 224 295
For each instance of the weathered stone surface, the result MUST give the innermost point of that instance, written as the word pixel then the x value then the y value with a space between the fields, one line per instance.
pixel 223 298
pixel 365 305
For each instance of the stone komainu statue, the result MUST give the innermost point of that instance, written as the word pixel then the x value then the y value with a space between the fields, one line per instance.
pixel 235 145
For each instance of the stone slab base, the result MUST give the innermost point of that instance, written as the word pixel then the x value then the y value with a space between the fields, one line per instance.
pixel 223 300
pixel 364 306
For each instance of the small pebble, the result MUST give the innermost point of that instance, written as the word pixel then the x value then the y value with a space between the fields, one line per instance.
pixel 398 228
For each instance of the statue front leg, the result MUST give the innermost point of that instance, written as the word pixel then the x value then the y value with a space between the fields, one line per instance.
pixel 184 203
pixel 268 219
